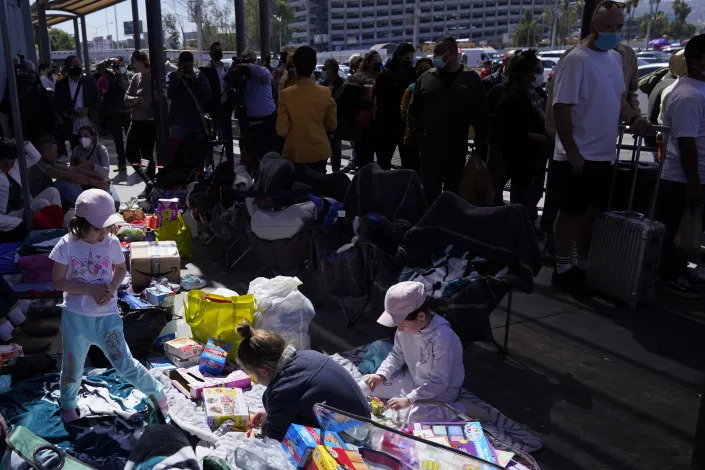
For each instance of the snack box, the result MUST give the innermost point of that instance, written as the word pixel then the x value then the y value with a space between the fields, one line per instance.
pixel 182 363
pixel 167 210
pixel 300 441
pixel 327 458
pixel 222 404
pixel 214 356
pixel 192 382
pixel 183 348
pixel 154 259
pixel 159 362
pixel 467 437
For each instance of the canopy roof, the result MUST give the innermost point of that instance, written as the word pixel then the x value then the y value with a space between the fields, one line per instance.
pixel 64 10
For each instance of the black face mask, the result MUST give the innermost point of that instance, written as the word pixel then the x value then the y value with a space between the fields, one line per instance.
pixel 217 55
pixel 75 71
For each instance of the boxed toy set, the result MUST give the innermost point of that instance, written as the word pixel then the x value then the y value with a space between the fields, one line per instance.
pixel 222 404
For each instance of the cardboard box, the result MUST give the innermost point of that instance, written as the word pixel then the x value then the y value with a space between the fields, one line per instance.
pixel 160 296
pixel 222 404
pixel 159 362
pixel 167 210
pixel 191 382
pixel 214 356
pixel 154 259
pixel 467 437
pixel 183 348
pixel 327 458
pixel 182 363
pixel 300 441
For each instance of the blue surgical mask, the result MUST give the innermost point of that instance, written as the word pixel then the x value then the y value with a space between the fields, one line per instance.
pixel 607 41
pixel 324 75
pixel 439 62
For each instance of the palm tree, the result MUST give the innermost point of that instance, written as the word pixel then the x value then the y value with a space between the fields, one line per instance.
pixel 631 11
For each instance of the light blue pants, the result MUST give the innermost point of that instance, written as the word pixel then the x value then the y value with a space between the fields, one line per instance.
pixel 79 332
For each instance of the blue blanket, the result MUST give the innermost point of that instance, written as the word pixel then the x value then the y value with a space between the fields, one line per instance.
pixel 112 411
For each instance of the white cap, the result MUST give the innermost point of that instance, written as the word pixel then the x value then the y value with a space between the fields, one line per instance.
pixel 98 208
pixel 401 300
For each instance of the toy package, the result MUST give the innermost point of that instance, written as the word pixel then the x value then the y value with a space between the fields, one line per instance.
pixel 300 441
pixel 167 210
pixel 192 382
pixel 222 404
pixel 467 437
pixel 214 356
pixel 327 458
pixel 182 363
pixel 159 362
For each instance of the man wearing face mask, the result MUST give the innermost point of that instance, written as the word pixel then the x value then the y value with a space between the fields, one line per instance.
pixel 114 83
pixel 220 105
pixel 447 100
pixel 588 104
pixel 389 89
pixel 73 99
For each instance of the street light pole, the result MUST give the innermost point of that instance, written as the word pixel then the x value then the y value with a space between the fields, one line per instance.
pixel 199 29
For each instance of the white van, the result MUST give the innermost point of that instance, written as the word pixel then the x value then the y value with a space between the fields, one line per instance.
pixel 476 56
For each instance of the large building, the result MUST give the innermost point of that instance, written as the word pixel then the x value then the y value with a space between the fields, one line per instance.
pixel 355 24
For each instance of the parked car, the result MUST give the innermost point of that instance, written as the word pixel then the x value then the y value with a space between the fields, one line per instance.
pixel 647 69
pixel 653 56
pixel 549 64
pixel 557 54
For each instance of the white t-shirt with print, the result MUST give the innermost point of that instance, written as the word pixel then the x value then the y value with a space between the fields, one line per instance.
pixel 90 263
pixel 592 83
pixel 685 115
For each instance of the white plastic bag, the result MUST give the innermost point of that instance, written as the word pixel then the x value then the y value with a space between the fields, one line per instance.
pixel 690 230
pixel 280 307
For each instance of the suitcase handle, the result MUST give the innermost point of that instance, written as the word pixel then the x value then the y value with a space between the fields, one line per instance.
pixel 636 155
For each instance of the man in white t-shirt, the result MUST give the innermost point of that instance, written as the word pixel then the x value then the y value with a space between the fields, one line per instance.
pixel 683 177
pixel 587 105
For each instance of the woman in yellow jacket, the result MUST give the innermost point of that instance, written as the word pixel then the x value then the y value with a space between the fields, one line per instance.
pixel 306 114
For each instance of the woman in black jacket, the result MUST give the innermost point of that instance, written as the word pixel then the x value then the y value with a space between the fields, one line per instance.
pixel 522 130
pixel 390 86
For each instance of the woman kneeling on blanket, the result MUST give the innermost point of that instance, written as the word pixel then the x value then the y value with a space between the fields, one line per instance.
pixel 295 381
pixel 433 353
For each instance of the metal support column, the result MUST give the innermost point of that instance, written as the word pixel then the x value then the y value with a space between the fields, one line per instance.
pixel 84 37
pixel 588 12
pixel 240 33
pixel 155 38
pixel 137 33
pixel 76 37
pixel 43 33
pixel 265 14
pixel 15 108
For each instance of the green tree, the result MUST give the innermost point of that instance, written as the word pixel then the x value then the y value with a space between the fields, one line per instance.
pixel 658 25
pixel 568 15
pixel 280 9
pixel 528 31
pixel 61 40
pixel 171 31
pixel 679 28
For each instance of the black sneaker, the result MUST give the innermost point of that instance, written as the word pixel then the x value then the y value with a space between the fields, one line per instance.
pixel 569 281
pixel 682 287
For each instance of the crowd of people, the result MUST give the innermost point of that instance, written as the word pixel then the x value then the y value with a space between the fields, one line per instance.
pixel 427 109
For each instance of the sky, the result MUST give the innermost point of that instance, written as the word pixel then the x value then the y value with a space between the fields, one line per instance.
pixel 96 22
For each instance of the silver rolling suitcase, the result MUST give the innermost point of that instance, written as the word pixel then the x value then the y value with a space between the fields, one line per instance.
pixel 626 245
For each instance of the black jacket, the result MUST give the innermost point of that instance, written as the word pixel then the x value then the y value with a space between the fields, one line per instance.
pixel 389 90
pixel 63 97
pixel 183 111
pixel 214 105
pixel 517 116
pixel 309 378
pixel 493 80
pixel 337 83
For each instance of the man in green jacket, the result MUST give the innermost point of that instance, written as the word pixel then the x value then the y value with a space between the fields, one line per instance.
pixel 447 100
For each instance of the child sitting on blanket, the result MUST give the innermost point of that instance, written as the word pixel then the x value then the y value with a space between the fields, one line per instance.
pixel 431 350
pixel 89 267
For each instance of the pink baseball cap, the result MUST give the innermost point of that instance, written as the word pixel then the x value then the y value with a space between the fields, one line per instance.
pixel 98 208
pixel 401 300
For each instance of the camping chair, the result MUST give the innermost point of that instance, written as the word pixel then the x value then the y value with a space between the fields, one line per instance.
pixel 505 240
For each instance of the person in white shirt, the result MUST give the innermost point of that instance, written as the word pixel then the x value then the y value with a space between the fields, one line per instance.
pixel 588 104
pixel 683 178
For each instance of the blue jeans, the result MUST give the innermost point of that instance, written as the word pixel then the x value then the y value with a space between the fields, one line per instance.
pixel 79 333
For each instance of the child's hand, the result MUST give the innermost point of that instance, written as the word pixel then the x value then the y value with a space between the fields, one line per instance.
pixel 101 293
pixel 397 404
pixel 258 418
pixel 373 380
